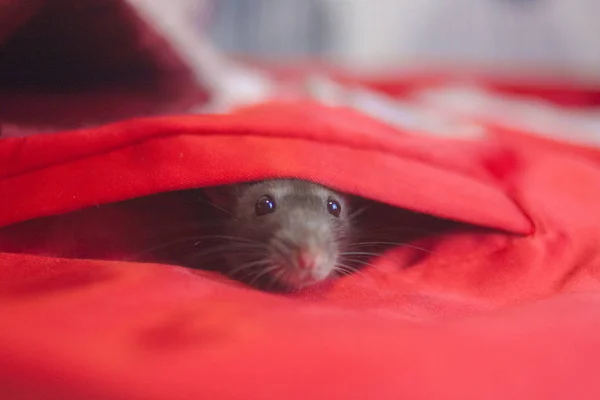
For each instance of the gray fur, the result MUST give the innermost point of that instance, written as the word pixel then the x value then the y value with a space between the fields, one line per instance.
pixel 300 222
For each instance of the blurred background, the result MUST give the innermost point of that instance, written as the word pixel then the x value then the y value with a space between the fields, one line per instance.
pixel 559 35
pixel 533 64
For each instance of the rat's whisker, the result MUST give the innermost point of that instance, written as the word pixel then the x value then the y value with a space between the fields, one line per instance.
pixel 262 273
pixel 247 266
pixel 360 253
pixel 341 270
pixel 212 204
pixel 349 270
pixel 232 247
pixel 237 239
pixel 356 213
pixel 276 278
pixel 271 284
pixel 280 249
pixel 179 229
pixel 367 244
pixel 361 262
pixel 369 255
pixel 196 238
pixel 204 259
pixel 399 229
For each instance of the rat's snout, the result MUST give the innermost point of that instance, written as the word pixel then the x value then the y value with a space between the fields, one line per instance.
pixel 305 260
pixel 312 263
pixel 305 250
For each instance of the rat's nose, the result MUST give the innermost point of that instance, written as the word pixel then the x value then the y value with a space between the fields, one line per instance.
pixel 305 260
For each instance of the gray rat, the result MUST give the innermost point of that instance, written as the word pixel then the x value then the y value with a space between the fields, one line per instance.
pixel 279 234
pixel 286 233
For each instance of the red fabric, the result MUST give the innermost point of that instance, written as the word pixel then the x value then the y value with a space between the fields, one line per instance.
pixel 506 306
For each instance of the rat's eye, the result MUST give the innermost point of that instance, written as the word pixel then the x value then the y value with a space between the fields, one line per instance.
pixel 264 205
pixel 334 207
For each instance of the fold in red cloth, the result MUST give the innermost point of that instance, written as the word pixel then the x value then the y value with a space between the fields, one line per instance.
pixel 505 306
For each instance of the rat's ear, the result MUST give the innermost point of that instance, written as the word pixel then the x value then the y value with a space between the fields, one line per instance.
pixel 224 196
pixel 221 196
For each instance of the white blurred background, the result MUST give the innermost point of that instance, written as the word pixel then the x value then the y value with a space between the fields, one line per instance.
pixel 550 35
pixel 535 42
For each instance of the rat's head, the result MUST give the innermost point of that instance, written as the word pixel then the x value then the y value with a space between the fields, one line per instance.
pixel 290 231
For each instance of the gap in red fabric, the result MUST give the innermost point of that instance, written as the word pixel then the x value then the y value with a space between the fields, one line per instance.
pixel 167 227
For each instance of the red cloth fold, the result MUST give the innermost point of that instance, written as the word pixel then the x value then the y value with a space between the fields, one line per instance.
pixel 506 306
